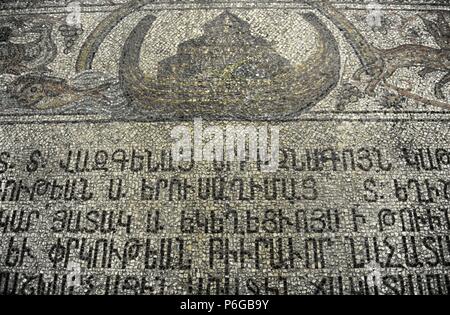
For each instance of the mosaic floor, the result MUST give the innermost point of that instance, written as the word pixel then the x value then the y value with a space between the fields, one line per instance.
pixel 224 147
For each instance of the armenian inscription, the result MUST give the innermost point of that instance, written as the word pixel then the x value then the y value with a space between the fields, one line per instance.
pixel 285 147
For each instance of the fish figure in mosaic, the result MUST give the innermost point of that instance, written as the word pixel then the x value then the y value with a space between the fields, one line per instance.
pixel 381 64
pixel 102 30
pixel 35 55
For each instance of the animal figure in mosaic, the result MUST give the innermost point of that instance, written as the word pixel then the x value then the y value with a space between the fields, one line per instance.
pixel 249 79
pixel 36 55
pixel 381 64
pixel 41 91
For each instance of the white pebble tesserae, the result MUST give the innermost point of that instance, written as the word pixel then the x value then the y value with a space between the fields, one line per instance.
pixel 240 148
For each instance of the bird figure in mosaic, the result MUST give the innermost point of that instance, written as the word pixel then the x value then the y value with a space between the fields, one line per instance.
pixel 33 55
